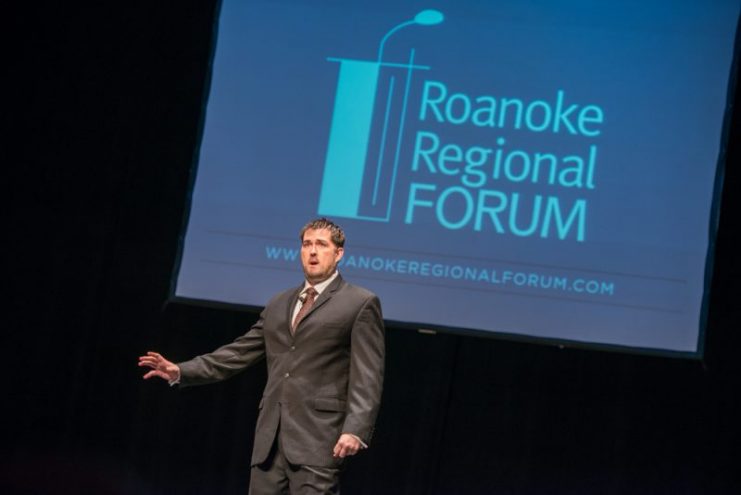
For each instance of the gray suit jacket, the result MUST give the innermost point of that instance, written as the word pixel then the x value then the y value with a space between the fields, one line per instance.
pixel 324 381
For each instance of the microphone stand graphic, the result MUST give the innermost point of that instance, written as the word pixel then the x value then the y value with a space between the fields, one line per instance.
pixel 424 18
pixel 350 132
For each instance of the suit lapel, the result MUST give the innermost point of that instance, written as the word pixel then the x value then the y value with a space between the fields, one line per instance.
pixel 292 304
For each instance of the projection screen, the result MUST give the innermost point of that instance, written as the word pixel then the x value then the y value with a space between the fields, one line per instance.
pixel 538 170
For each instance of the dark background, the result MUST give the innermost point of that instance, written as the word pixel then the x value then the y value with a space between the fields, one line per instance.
pixel 102 115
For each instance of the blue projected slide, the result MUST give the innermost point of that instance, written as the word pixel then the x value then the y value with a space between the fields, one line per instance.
pixel 532 169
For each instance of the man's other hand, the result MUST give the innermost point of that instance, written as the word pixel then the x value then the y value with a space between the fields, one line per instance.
pixel 347 445
pixel 161 367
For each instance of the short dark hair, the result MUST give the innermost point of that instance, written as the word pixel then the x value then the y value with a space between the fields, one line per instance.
pixel 338 236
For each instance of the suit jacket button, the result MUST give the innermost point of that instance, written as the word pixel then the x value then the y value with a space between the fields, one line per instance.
pixel 293 347
pixel 286 375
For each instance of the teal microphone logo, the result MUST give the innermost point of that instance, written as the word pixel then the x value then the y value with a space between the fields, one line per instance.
pixel 362 158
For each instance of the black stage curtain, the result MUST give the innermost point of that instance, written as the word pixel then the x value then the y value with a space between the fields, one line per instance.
pixel 103 115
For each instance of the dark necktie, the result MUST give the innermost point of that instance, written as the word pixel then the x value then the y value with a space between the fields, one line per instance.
pixel 307 301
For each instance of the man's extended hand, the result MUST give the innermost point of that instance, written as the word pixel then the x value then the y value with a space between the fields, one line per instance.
pixel 161 367
pixel 347 445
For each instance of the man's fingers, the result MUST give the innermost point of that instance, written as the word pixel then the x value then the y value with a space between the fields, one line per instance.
pixel 156 373
pixel 152 359
pixel 344 449
pixel 147 362
pixel 347 451
pixel 338 450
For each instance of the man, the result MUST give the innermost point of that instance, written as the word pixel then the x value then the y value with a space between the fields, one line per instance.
pixel 324 345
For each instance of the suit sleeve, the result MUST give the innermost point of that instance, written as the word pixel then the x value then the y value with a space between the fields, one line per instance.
pixel 225 361
pixel 367 355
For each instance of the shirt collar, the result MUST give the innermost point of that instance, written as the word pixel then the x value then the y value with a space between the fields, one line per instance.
pixel 321 285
